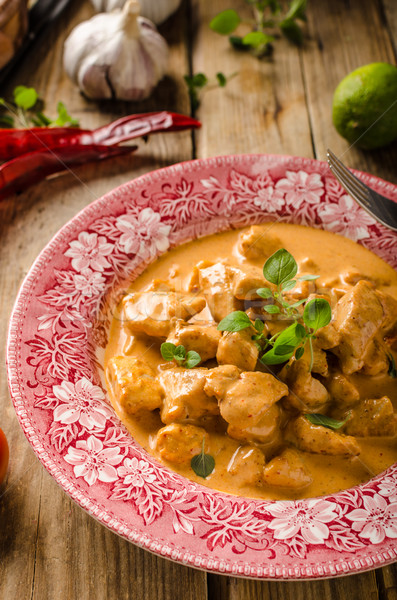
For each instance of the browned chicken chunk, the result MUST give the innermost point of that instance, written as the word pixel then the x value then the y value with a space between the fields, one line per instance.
pixel 372 418
pixel 246 465
pixel 133 384
pixel 178 443
pixel 204 339
pixel 244 402
pixel 306 393
pixel 220 379
pixel 246 281
pixel 238 348
pixel 184 396
pixel 266 432
pixel 152 312
pixel 258 242
pixel 216 283
pixel 342 390
pixel 287 471
pixel 320 440
pixel 359 316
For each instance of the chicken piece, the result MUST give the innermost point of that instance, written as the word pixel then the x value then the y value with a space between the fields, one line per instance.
pixel 327 337
pixel 258 242
pixel 287 471
pixel 246 281
pixel 372 418
pixel 320 364
pixel 358 317
pixel 375 359
pixel 178 443
pixel 352 276
pixel 266 432
pixel 237 348
pixel 306 393
pixel 389 305
pixel 204 339
pixel 342 391
pixel 246 466
pixel 152 312
pixel 216 282
pixel 220 379
pixel 320 440
pixel 243 402
pixel 133 384
pixel 184 396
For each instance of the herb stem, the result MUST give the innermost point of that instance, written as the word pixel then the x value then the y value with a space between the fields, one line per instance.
pixel 311 352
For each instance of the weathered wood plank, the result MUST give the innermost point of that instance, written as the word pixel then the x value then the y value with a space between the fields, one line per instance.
pixel 262 109
pixel 355 587
pixel 343 36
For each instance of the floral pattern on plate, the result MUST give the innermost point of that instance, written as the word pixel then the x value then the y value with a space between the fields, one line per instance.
pixel 58 331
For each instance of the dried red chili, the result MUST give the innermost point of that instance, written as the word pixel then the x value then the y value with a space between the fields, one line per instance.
pixel 16 142
pixel 19 173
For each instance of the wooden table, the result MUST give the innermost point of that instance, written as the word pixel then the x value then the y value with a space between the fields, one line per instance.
pixel 49 548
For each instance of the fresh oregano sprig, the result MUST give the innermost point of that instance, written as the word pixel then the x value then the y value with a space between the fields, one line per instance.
pixel 203 464
pixel 281 269
pixel 26 110
pixel 197 82
pixel 269 19
pixel 178 353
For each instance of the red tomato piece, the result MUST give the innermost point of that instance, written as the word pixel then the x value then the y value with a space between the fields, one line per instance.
pixel 4 454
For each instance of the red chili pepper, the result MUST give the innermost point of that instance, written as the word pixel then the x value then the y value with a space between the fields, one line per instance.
pixel 16 142
pixel 19 173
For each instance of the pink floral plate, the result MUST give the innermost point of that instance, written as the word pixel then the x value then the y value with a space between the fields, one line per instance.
pixel 56 338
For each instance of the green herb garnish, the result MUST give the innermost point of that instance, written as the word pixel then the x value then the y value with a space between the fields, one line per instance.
pixel 197 82
pixel 324 421
pixel 178 353
pixel 26 110
pixel 269 18
pixel 203 464
pixel 281 269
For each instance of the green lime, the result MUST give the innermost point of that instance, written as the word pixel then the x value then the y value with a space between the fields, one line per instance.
pixel 364 109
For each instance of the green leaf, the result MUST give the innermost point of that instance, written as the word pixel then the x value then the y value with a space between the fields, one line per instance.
pixel 255 39
pixel 193 358
pixel 299 352
pixel 203 464
pixel 235 321
pixel 292 31
pixel 272 309
pixel 64 117
pixel 259 325
pixel 179 353
pixel 291 336
pixel 167 350
pixel 6 121
pixel 280 267
pixel 317 313
pixel 324 421
pixel 282 349
pixel 264 293
pixel 298 303
pixel 25 97
pixel 271 358
pixel 237 43
pixel 199 80
pixel 392 371
pixel 225 22
pixel 297 10
pixel 41 120
pixel 288 285
pixel 222 80
pixel 308 277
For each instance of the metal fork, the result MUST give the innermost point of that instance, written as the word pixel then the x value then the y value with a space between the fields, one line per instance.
pixel 381 208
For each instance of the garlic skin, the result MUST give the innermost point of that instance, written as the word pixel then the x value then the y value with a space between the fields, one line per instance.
pixel 155 10
pixel 116 55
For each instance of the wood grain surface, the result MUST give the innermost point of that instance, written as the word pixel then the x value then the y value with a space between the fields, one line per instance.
pixel 49 548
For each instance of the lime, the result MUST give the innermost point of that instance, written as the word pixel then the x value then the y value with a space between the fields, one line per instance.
pixel 364 109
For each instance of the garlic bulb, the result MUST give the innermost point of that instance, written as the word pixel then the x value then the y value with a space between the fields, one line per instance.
pixel 117 54
pixel 155 10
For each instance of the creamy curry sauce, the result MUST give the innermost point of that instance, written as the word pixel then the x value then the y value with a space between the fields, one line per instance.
pixel 340 264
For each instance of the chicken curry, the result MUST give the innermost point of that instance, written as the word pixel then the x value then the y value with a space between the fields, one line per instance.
pixel 256 382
